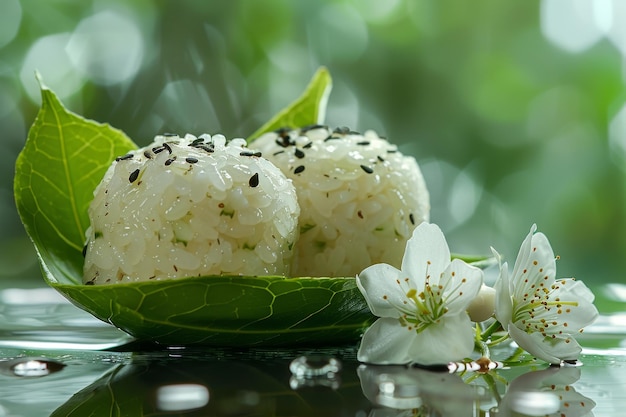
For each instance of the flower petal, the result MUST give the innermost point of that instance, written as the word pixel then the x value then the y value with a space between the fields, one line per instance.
pixel 451 339
pixel 504 302
pixel 385 342
pixel 580 315
pixel 379 285
pixel 426 253
pixel 461 284
pixel 535 265
pixel 546 348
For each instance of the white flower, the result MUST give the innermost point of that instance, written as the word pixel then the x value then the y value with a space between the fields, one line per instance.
pixel 422 308
pixel 541 313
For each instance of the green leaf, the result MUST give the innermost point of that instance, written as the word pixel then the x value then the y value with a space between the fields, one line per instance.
pixel 308 109
pixel 230 310
pixel 63 160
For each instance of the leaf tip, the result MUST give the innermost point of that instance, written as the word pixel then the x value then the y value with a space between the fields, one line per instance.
pixel 39 79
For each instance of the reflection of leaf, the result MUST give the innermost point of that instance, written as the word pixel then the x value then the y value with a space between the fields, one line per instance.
pixel 63 160
pixel 249 383
pixel 308 109
pixel 230 310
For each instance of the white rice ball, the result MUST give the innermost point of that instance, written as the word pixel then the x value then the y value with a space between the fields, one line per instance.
pixel 359 197
pixel 190 206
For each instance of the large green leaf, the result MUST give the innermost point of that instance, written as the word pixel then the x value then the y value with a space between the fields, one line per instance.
pixel 231 310
pixel 308 109
pixel 64 158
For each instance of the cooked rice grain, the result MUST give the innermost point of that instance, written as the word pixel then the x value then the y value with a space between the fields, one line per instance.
pixel 190 206
pixel 360 198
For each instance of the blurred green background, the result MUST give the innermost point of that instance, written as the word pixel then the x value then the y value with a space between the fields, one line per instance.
pixel 514 110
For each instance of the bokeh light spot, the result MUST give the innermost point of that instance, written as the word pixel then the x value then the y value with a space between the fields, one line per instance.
pixel 10 20
pixel 573 25
pixel 107 48
pixel 47 56
pixel 617 137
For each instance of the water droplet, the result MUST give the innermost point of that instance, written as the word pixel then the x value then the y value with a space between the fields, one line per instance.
pixel 309 371
pixel 311 366
pixel 31 367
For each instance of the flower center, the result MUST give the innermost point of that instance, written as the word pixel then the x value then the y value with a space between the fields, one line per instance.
pixel 420 310
pixel 543 311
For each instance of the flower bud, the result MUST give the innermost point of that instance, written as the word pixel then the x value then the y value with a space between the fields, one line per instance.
pixel 482 307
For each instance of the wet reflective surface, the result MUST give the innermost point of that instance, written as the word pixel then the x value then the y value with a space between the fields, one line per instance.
pixel 57 360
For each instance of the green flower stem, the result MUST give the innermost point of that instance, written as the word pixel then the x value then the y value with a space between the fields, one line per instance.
pixel 489 331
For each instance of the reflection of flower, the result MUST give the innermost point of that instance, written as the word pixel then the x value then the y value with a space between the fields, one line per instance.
pixel 400 391
pixel 546 393
pixel 422 308
pixel 540 313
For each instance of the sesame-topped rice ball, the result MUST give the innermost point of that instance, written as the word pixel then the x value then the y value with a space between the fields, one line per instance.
pixel 190 206
pixel 359 197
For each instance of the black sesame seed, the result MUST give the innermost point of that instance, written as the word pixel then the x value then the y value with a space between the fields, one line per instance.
pixel 278 153
pixel 254 180
pixel 299 153
pixel 90 283
pixel 308 145
pixel 298 169
pixel 169 161
pixel 196 141
pixel 125 157
pixel 208 148
pixel 363 143
pixel 191 160
pixel 311 127
pixel 380 158
pixel 392 150
pixel 166 146
pixel 343 130
pixel 282 143
pixel 367 169
pixel 246 153
pixel 147 154
pixel 133 175
pixel 158 149
pixel 412 218
pixel 331 137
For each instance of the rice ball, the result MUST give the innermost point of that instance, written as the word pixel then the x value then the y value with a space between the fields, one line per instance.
pixel 359 197
pixel 190 206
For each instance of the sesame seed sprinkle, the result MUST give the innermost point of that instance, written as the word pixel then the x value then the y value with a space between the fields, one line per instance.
pixel 254 180
pixel 125 157
pixel 133 175
pixel 298 169
pixel 191 160
pixel 367 169
pixel 299 154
